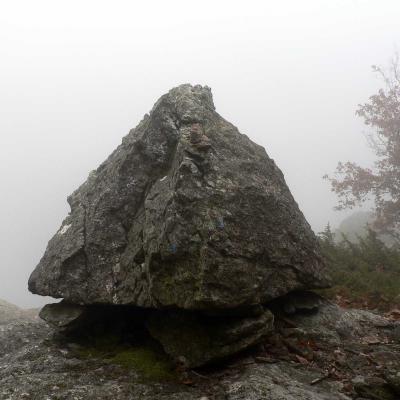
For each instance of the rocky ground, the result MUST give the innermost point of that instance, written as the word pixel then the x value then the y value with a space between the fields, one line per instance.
pixel 10 312
pixel 318 354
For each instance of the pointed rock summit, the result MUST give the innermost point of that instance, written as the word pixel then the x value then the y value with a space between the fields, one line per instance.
pixel 186 213
pixel 190 223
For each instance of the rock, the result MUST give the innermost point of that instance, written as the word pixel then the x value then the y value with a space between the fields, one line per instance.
pixel 280 382
pixel 63 315
pixel 10 313
pixel 74 320
pixel 393 379
pixel 199 339
pixel 188 213
pixel 373 388
pixel 33 366
pixel 36 364
pixel 333 323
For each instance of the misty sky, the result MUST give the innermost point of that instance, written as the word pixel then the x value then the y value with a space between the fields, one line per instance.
pixel 75 76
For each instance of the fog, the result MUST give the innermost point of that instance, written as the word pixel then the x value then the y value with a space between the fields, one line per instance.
pixel 77 75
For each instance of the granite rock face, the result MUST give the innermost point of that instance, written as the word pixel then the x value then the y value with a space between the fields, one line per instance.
pixel 186 213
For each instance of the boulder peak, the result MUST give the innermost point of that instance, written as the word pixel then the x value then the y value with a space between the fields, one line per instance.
pixel 186 213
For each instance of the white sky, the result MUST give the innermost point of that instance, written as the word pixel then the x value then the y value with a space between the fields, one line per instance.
pixel 75 76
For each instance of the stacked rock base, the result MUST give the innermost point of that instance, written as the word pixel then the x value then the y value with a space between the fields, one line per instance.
pixel 190 338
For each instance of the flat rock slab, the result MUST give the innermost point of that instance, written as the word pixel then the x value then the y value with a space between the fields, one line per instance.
pixel 63 315
pixel 196 339
pixel 187 213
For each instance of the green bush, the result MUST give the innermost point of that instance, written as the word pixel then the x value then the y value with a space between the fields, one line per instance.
pixel 363 271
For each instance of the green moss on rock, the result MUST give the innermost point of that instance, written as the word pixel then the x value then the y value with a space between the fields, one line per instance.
pixel 149 363
pixel 147 358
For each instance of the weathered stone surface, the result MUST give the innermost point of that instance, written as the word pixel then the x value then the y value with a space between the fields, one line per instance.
pixel 281 382
pixel 63 315
pixel 187 212
pixel 334 324
pixel 198 339
pixel 36 365
pixel 10 312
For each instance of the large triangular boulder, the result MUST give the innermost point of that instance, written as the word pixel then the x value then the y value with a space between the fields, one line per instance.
pixel 186 213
